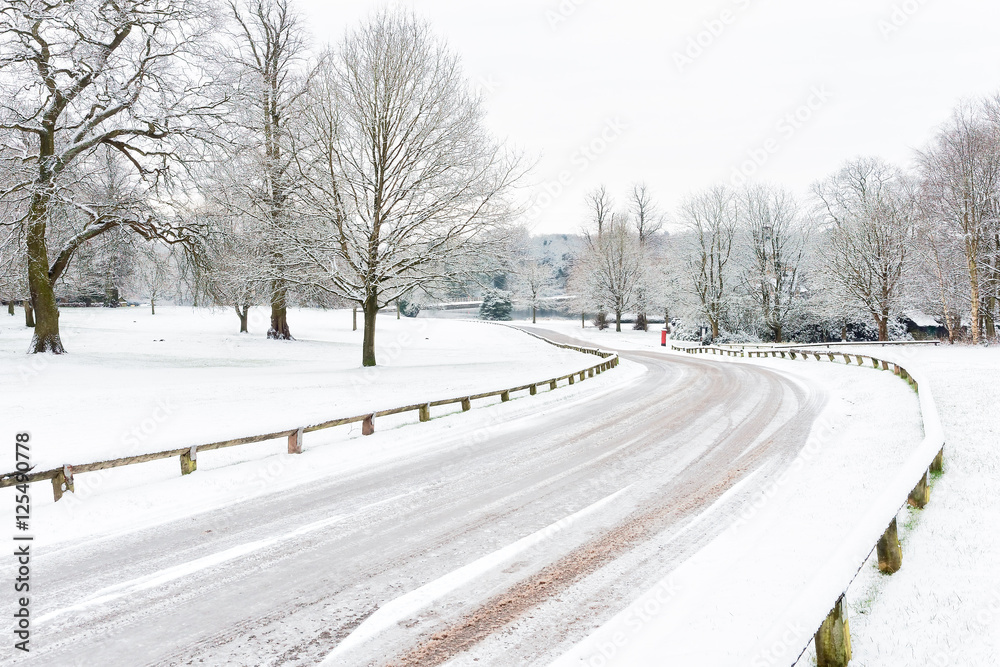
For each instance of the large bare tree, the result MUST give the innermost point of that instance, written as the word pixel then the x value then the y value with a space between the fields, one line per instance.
pixel 78 77
pixel 775 244
pixel 960 173
pixel 404 186
pixel 711 220
pixel 270 62
pixel 870 212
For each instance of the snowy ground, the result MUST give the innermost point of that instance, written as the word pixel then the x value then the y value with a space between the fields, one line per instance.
pixel 134 383
pixel 943 607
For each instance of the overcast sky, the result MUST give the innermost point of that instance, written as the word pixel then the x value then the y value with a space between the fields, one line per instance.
pixel 683 94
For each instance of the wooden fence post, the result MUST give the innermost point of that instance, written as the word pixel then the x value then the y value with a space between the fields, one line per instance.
pixel 295 442
pixel 832 358
pixel 572 379
pixel 552 385
pixel 938 465
pixel 833 640
pixel 583 375
pixel 921 494
pixel 368 425
pixel 885 365
pixel 890 555
pixel 533 389
pixel 425 412
pixel 504 396
pixel 466 404
pixel 62 482
pixel 189 461
pixel 590 373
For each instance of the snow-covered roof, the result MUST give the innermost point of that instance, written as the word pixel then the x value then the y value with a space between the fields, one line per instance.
pixel 921 319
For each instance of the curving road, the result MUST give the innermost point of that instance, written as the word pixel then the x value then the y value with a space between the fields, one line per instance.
pixel 507 554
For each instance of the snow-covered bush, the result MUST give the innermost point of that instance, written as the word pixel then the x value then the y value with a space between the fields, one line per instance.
pixel 497 305
pixel 408 308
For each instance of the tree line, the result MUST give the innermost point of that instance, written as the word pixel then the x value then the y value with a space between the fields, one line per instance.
pixel 207 143
pixel 871 242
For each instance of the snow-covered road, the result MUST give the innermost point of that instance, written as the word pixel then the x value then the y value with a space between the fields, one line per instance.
pixel 528 535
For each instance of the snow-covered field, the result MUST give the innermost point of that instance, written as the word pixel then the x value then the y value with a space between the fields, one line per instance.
pixel 134 383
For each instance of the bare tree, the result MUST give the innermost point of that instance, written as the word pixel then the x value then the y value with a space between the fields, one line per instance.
pixel 270 59
pixel 601 206
pixel 960 173
pixel 611 267
pixel 774 251
pixel 79 76
pixel 404 186
pixel 870 211
pixel 711 219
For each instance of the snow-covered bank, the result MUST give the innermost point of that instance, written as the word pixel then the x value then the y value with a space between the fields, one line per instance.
pixel 135 383
pixel 943 607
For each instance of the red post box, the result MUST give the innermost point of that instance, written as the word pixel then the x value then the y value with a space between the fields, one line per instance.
pixel 663 338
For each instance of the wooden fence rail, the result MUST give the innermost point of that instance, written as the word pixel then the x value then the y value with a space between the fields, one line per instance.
pixel 877 531
pixel 62 478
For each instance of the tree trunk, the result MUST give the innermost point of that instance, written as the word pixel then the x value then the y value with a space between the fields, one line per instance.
pixel 534 312
pixel 715 328
pixel 991 330
pixel 152 306
pixel 883 327
pixel 43 298
pixel 370 307
pixel 279 313
pixel 10 308
pixel 29 315
pixel 843 333
pixel 778 334
pixel 618 321
pixel 242 314
pixel 974 286
pixel 398 309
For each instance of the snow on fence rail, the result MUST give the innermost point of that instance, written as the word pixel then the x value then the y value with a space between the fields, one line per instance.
pixel 828 589
pixel 62 478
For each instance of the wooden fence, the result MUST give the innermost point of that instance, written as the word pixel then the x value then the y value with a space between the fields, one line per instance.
pixel 878 526
pixel 62 478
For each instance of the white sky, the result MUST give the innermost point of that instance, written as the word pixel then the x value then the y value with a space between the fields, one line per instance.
pixel 553 86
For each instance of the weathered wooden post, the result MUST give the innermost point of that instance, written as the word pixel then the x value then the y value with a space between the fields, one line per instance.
pixel 861 360
pixel 792 355
pixel 189 461
pixel 504 396
pixel 937 466
pixel 921 494
pixel 895 369
pixel 832 358
pixel 572 379
pixel 425 412
pixel 295 442
pixel 885 365
pixel 890 554
pixel 62 482
pixel 368 425
pixel 847 358
pixel 533 389
pixel 466 404
pixel 833 640
pixel 875 363
pixel 553 384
